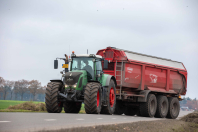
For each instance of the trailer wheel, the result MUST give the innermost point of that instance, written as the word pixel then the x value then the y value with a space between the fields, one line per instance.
pixel 111 99
pixel 131 111
pixel 162 106
pixel 51 97
pixel 72 107
pixel 174 108
pixel 148 109
pixel 120 108
pixel 93 98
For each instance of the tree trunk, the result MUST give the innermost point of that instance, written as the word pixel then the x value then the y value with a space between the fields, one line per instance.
pixel 11 96
pixel 4 96
pixel 22 97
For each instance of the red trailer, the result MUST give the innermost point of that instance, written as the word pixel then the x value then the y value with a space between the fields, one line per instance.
pixel 145 85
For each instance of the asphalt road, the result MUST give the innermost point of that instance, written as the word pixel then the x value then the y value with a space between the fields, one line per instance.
pixel 49 121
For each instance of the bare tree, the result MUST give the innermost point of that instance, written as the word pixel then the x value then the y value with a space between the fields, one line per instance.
pixel 12 89
pixel 1 84
pixel 34 87
pixel 7 86
pixel 21 87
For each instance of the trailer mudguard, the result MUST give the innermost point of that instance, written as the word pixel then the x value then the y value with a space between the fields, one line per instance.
pixel 145 93
pixel 106 78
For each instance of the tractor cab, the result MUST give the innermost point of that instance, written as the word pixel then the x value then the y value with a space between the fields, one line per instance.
pixel 89 63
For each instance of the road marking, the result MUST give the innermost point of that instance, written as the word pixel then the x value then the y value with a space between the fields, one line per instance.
pixel 4 121
pixel 113 118
pixel 99 118
pixel 80 119
pixel 50 119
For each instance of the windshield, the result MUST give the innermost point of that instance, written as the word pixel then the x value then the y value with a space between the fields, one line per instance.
pixel 84 63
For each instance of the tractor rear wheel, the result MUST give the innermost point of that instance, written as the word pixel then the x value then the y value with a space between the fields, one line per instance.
pixel 53 105
pixel 110 99
pixel 174 108
pixel 93 98
pixel 148 109
pixel 72 107
pixel 120 108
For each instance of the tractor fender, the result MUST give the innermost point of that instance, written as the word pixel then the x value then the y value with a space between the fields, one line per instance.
pixel 145 93
pixel 109 79
pixel 56 80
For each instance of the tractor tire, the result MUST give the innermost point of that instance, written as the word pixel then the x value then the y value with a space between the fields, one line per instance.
pixel 174 108
pixel 131 111
pixel 72 107
pixel 110 99
pixel 51 97
pixel 162 106
pixel 93 98
pixel 148 109
pixel 120 108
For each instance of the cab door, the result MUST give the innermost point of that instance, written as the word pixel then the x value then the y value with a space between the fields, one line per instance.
pixel 98 70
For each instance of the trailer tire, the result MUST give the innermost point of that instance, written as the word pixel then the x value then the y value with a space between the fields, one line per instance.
pixel 51 97
pixel 131 111
pixel 148 109
pixel 162 106
pixel 72 107
pixel 120 108
pixel 110 99
pixel 174 108
pixel 93 98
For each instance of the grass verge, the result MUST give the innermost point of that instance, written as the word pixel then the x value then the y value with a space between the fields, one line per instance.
pixel 26 106
pixel 4 104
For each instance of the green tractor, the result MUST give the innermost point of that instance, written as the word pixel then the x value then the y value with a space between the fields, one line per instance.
pixel 84 83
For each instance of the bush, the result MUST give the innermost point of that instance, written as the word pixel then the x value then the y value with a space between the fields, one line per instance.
pixel 29 106
pixel 192 117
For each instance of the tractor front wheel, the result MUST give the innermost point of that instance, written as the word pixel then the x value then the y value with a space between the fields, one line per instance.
pixel 53 105
pixel 93 98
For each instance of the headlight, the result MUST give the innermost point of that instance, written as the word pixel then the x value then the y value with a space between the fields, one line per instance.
pixel 74 85
pixel 66 86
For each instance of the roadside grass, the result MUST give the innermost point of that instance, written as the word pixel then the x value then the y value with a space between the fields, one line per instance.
pixel 4 104
pixel 26 106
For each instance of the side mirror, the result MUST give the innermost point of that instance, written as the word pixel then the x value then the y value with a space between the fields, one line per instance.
pixel 105 64
pixel 55 64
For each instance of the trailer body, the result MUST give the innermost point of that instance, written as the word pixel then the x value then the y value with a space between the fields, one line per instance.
pixel 135 73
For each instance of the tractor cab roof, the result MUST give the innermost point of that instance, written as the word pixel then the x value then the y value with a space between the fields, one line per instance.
pixel 87 55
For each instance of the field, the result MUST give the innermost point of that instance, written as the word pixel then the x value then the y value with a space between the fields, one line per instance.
pixel 4 104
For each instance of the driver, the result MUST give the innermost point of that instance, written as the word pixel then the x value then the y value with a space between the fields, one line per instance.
pixel 88 68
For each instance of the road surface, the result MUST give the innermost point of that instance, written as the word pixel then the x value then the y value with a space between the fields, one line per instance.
pixel 13 122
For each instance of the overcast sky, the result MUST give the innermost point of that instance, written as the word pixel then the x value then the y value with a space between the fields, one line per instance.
pixel 33 33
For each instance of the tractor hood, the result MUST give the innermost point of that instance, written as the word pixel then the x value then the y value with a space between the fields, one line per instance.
pixel 72 77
